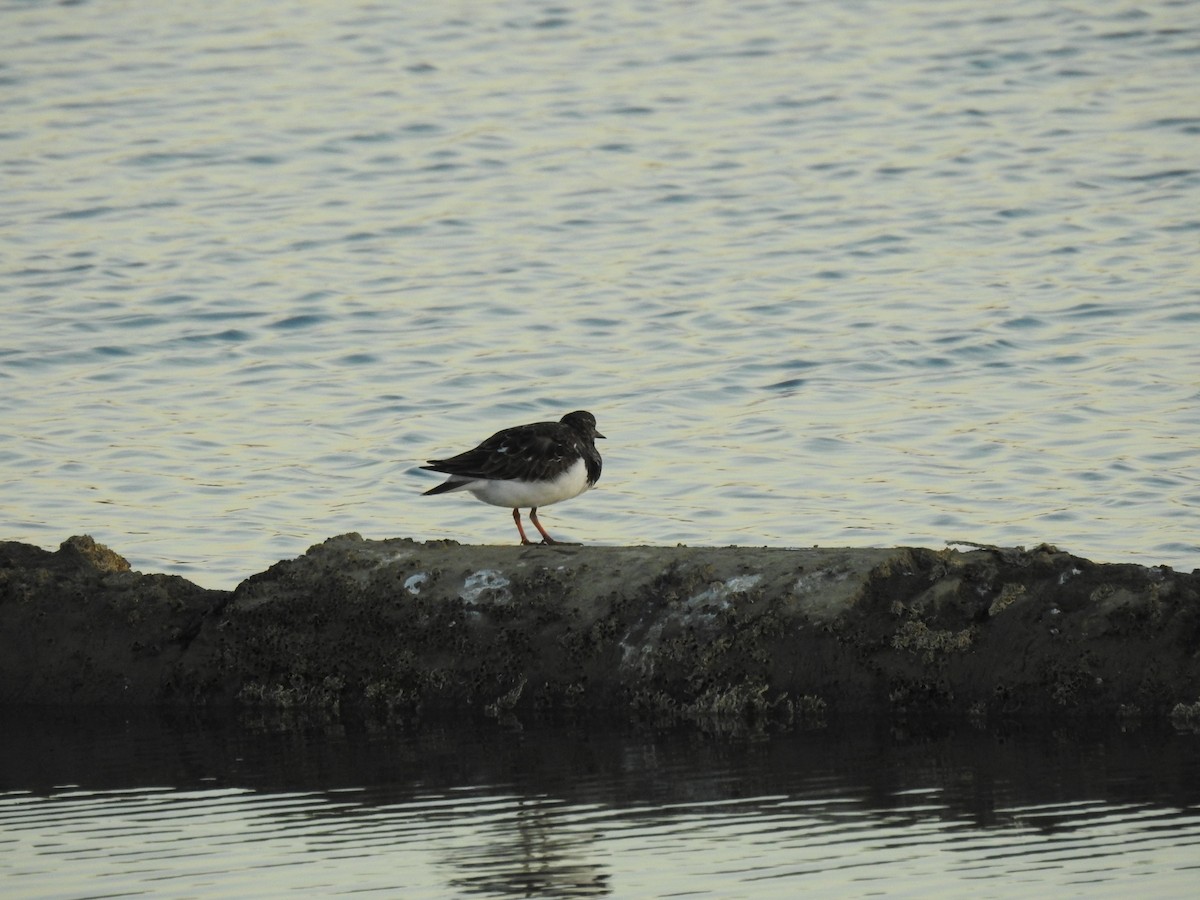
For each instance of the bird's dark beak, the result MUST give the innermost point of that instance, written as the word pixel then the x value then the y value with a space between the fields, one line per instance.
pixel 599 435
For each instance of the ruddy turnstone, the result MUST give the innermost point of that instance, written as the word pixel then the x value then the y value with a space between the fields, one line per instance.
pixel 527 466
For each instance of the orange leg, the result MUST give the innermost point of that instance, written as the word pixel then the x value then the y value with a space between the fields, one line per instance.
pixel 546 539
pixel 520 530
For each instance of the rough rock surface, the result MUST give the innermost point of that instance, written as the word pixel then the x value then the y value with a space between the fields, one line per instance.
pixel 77 626
pixel 689 632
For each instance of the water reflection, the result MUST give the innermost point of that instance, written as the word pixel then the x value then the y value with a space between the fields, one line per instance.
pixel 534 854
pixel 447 809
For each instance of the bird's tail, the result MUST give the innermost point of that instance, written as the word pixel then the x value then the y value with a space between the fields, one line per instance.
pixel 450 484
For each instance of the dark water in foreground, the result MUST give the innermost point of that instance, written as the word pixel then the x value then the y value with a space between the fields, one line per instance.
pixel 112 805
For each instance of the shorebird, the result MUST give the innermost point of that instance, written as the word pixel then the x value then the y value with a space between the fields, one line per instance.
pixel 527 466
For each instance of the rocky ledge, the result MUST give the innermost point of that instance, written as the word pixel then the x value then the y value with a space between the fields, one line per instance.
pixel 691 632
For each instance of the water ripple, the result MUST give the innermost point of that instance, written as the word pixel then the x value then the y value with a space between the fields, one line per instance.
pixel 213 809
pixel 947 257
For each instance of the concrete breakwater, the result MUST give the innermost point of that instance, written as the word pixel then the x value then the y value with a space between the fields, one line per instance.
pixel 760 633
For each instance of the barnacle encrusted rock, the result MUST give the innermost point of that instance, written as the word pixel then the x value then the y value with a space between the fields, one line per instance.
pixel 691 632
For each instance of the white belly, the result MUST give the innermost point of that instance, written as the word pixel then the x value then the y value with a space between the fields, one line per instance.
pixel 525 494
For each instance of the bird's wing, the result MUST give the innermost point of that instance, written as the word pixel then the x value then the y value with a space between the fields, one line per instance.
pixel 525 453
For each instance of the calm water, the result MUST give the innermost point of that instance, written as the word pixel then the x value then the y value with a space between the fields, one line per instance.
pixel 828 273
pixel 104 806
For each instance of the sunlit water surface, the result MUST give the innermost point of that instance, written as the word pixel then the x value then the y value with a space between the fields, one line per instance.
pixel 827 273
pixel 109 806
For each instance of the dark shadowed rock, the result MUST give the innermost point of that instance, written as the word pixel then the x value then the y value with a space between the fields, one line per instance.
pixel 77 626
pixel 765 633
